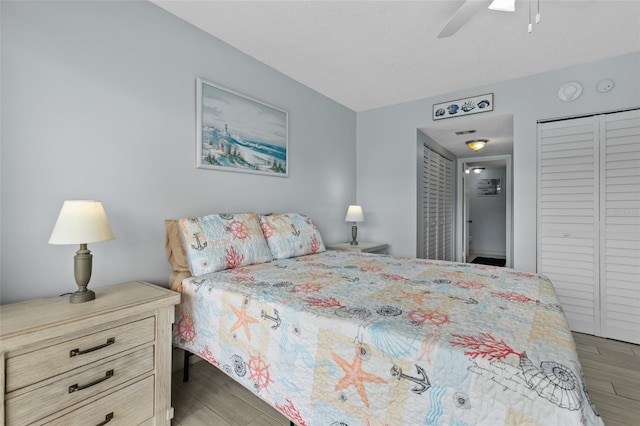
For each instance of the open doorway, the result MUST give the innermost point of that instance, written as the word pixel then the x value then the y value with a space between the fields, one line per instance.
pixel 449 139
pixel 484 194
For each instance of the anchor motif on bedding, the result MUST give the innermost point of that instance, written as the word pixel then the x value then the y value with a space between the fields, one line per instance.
pixel 275 319
pixel 200 246
pixel 467 300
pixel 197 283
pixel 295 231
pixel 422 382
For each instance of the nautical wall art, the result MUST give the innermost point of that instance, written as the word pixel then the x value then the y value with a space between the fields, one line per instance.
pixel 460 107
pixel 239 134
pixel 489 187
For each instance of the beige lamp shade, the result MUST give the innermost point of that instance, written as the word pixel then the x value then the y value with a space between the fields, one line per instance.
pixel 354 214
pixel 81 222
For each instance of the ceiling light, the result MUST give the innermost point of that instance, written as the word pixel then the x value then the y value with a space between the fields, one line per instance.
pixel 503 5
pixel 478 170
pixel 477 144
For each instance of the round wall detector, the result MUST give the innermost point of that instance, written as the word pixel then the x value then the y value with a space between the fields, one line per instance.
pixel 570 91
pixel 605 85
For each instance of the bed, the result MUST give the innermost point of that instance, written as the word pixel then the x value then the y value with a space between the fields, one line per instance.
pixel 342 338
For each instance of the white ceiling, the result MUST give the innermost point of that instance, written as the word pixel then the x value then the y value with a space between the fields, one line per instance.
pixel 498 129
pixel 370 54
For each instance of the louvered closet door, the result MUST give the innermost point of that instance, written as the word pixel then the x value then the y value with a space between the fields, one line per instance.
pixel 441 208
pixel 430 197
pixel 448 210
pixel 568 212
pixel 437 206
pixel 620 226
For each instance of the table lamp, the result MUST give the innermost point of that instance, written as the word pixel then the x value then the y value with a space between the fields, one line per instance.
pixel 81 222
pixel 354 214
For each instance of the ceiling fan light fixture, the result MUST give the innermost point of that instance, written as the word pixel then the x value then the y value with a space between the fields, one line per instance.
pixel 503 5
pixel 477 144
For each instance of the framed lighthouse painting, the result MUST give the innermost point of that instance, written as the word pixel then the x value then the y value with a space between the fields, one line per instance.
pixel 239 134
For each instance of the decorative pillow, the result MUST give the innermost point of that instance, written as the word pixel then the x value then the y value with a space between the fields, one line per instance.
pixel 176 255
pixel 223 241
pixel 290 235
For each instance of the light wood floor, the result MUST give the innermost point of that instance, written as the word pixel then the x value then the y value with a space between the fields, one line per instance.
pixel 211 398
pixel 612 372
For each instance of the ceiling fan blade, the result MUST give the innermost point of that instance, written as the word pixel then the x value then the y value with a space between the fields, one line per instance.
pixel 462 16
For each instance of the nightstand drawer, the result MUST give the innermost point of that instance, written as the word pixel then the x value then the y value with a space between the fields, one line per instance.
pixel 126 407
pixel 32 367
pixel 74 387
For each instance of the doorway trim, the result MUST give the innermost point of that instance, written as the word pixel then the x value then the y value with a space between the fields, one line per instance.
pixel 460 205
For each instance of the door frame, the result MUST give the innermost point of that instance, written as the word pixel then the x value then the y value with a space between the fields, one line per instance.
pixel 461 237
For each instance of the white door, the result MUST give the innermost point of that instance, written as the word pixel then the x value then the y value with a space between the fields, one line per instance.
pixel 466 219
pixel 589 220
pixel 620 226
pixel 437 206
pixel 568 217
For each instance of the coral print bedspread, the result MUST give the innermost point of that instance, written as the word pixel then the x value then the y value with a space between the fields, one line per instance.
pixel 341 338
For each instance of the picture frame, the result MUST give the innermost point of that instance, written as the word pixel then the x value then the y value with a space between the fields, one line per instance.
pixel 489 187
pixel 238 133
pixel 462 107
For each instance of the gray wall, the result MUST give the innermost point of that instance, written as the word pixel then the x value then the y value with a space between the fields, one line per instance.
pixel 386 140
pixel 98 102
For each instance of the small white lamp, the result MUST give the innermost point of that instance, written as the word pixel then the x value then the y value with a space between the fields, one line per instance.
pixel 354 214
pixel 81 222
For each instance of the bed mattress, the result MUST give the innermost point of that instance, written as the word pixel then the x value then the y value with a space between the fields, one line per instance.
pixel 340 338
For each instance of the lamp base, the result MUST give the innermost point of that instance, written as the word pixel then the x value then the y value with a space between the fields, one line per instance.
pixel 82 296
pixel 82 272
pixel 354 235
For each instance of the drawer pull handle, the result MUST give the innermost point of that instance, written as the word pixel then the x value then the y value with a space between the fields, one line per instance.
pixel 107 419
pixel 77 351
pixel 77 387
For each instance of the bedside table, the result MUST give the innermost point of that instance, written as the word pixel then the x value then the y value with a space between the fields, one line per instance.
pixel 98 362
pixel 361 247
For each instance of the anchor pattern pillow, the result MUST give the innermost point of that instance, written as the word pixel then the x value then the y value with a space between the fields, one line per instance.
pixel 223 241
pixel 291 235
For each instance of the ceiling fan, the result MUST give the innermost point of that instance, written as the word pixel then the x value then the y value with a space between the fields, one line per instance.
pixel 469 8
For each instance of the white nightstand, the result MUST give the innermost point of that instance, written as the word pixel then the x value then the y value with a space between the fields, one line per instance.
pixel 107 360
pixel 361 247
